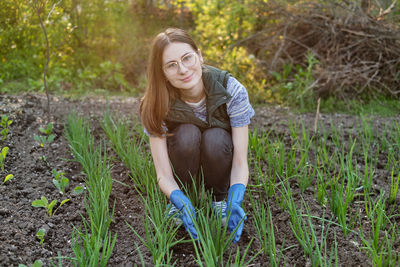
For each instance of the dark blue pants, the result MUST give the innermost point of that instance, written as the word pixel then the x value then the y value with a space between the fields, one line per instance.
pixel 190 150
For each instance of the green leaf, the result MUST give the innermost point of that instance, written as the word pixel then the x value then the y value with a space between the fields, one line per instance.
pixel 64 201
pixel 40 233
pixel 36 138
pixel 37 263
pixel 50 138
pixel 51 206
pixel 4 151
pixel 40 203
pixel 56 184
pixel 8 177
pixel 78 190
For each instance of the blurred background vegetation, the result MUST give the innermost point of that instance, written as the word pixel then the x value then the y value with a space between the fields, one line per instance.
pixel 284 51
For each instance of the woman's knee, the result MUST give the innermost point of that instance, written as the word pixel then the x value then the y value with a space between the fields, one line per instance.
pixel 216 143
pixel 186 138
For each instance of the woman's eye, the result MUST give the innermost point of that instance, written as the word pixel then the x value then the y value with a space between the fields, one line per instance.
pixel 172 65
pixel 187 58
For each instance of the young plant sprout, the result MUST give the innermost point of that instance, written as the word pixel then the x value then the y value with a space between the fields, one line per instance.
pixel 8 177
pixel 60 181
pixel 42 139
pixel 40 235
pixel 4 125
pixel 44 203
pixel 3 155
pixel 48 130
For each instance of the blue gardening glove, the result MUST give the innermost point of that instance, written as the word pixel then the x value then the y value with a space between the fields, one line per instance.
pixel 237 215
pixel 182 203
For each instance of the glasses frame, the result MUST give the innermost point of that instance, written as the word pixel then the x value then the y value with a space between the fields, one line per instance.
pixel 179 62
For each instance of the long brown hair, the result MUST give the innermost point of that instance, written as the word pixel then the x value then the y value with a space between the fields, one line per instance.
pixel 160 94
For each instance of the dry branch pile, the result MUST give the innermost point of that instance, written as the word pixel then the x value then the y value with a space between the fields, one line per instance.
pixel 358 52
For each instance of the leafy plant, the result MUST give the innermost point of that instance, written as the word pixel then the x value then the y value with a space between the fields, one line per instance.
pixel 48 130
pixel 37 263
pixel 8 177
pixel 3 155
pixel 60 181
pixel 42 139
pixel 4 125
pixel 40 235
pixel 44 203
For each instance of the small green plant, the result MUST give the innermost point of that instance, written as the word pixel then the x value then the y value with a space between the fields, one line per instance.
pixel 48 130
pixel 394 186
pixel 60 181
pixel 42 139
pixel 8 177
pixel 40 235
pixel 37 263
pixel 3 155
pixel 44 203
pixel 4 125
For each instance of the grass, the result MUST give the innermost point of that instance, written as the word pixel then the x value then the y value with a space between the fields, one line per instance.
pixel 338 170
pixel 92 245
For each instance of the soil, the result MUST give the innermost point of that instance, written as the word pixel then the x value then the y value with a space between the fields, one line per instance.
pixel 32 166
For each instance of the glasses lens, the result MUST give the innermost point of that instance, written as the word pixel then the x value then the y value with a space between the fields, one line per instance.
pixel 171 68
pixel 189 60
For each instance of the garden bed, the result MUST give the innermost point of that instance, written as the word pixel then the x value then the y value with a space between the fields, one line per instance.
pixel 32 167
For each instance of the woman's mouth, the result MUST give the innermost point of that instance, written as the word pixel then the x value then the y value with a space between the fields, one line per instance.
pixel 187 79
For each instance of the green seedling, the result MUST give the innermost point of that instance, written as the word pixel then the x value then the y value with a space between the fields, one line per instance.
pixel 60 181
pixel 4 124
pixel 37 263
pixel 394 186
pixel 44 203
pixel 48 130
pixel 40 235
pixel 42 139
pixel 78 190
pixel 8 177
pixel 3 155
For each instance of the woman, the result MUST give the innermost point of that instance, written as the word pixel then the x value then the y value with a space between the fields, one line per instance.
pixel 197 117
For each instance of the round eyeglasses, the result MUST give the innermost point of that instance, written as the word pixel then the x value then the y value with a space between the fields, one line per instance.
pixel 187 60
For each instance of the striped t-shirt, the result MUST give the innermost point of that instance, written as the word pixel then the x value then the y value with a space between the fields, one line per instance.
pixel 239 109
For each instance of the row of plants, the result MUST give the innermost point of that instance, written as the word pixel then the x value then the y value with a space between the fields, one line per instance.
pixel 92 241
pixel 339 169
pixel 5 123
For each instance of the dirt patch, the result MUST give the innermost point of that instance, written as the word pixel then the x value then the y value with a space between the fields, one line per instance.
pixel 32 165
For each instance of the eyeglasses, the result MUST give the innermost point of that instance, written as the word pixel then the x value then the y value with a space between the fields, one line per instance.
pixel 187 60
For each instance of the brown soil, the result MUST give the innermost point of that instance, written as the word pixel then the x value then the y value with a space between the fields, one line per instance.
pixel 33 179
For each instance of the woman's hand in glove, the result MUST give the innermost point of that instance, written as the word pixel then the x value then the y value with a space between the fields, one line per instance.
pixel 235 211
pixel 183 203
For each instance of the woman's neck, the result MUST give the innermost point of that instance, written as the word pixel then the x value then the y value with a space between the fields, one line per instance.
pixel 193 95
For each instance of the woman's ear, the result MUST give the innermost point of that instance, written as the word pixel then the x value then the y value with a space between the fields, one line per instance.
pixel 200 56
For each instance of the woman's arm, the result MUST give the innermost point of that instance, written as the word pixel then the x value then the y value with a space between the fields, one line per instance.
pixel 165 178
pixel 240 168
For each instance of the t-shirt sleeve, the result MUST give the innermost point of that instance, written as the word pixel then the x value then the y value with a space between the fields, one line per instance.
pixel 239 109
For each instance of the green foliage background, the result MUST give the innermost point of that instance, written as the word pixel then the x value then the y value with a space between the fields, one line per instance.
pixel 99 45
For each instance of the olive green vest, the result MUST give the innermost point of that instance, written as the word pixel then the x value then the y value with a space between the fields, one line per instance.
pixel 215 81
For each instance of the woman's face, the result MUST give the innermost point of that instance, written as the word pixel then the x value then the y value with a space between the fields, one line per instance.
pixel 182 66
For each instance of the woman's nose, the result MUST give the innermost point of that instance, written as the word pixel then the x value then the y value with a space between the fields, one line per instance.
pixel 182 68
